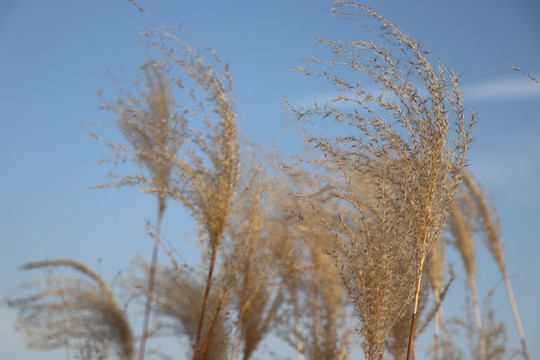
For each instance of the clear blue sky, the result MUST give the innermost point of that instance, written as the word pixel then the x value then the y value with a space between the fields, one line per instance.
pixel 54 57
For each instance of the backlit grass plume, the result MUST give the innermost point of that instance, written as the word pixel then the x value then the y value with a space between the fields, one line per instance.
pixel 78 312
pixel 202 173
pixel 491 226
pixel 178 297
pixel 401 124
pixel 461 226
pixel 358 222
pixel 206 176
pixel 154 133
pixel 250 262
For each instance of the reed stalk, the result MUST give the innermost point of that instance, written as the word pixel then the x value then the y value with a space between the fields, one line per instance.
pixel 491 226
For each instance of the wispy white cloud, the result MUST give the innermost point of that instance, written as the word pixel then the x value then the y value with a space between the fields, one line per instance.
pixel 495 89
pixel 502 89
pixel 511 165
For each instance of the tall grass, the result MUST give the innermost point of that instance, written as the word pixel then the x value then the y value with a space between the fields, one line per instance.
pixel 80 313
pixel 400 159
pixel 155 134
pixel 330 254
pixel 462 229
pixel 491 227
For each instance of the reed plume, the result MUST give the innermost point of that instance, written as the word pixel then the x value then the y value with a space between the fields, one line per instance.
pixel 205 177
pixel 177 299
pixel 78 312
pixel 491 225
pixel 462 229
pixel 359 225
pixel 409 138
pixel 250 261
pixel 155 134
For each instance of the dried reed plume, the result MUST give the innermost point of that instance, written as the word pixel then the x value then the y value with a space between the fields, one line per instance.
pixel 462 228
pixel 316 298
pixel 205 177
pixel 492 228
pixel 178 295
pixel 407 141
pixel 155 134
pixel 360 226
pixel 328 309
pixel 251 262
pixel 78 312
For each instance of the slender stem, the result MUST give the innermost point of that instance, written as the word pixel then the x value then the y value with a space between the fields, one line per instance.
pixel 315 314
pixel 478 318
pixel 436 295
pixel 205 300
pixel 212 328
pixel 415 310
pixel 297 331
pixel 244 294
pixel 443 333
pixel 299 343
pixel 516 314
pixel 152 277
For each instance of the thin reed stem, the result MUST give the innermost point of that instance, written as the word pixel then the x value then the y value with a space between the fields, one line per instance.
pixel 299 343
pixel 415 312
pixel 152 277
pixel 436 336
pixel 205 300
pixel 516 315
pixel 297 330
pixel 212 327
pixel 478 318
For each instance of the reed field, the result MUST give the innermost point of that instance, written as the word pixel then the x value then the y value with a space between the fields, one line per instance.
pixel 353 247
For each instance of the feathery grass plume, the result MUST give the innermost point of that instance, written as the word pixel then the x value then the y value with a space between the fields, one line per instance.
pixel 322 314
pixel 290 257
pixel 155 134
pixel 360 223
pixel 259 293
pixel 462 229
pixel 325 302
pixel 494 332
pixel 435 272
pixel 492 227
pixel 331 331
pixel 205 177
pixel 414 124
pixel 177 299
pixel 78 312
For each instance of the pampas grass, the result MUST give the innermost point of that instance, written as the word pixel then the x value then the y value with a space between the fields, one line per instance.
pixel 80 313
pixel 406 143
pixel 462 229
pixel 491 227
pixel 155 134
pixel 331 253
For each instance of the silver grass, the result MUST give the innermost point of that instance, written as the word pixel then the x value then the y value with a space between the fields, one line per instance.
pixel 409 137
pixel 78 312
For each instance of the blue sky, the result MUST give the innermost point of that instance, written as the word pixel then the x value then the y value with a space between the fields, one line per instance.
pixel 54 57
